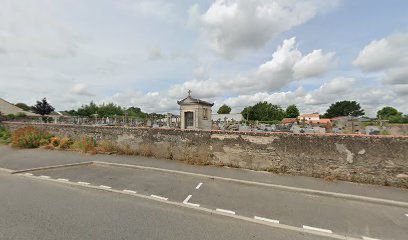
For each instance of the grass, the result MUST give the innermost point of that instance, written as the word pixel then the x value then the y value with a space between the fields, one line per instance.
pixel 5 136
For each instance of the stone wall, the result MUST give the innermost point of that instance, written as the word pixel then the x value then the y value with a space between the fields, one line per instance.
pixel 358 158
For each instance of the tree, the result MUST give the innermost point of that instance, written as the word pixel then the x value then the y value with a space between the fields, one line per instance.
pixel 292 111
pixel 263 111
pixel 23 106
pixel 387 112
pixel 42 107
pixel 224 109
pixel 344 108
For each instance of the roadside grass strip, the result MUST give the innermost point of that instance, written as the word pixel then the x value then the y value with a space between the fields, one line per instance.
pixel 317 229
pixel 129 191
pixel 159 197
pixel 267 219
pixel 368 238
pixel 225 211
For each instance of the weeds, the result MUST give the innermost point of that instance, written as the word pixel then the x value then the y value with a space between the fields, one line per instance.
pixel 5 136
pixel 30 137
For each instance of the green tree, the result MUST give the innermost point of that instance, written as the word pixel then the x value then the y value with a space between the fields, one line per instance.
pixel 42 107
pixel 87 110
pixel 344 108
pixel 23 106
pixel 263 111
pixel 387 112
pixel 224 109
pixel 292 111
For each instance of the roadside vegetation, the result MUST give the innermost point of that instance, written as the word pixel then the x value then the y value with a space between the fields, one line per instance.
pixel 5 136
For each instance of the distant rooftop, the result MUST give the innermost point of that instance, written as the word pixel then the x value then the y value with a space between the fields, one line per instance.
pixel 7 108
pixel 191 101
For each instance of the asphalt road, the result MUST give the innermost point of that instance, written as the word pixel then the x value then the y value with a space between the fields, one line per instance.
pixel 340 216
pixel 40 210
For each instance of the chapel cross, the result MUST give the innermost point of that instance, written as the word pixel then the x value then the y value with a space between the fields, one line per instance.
pixel 189 93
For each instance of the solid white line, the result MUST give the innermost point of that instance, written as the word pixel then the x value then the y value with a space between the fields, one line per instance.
pixel 84 183
pixel 317 229
pixel 406 214
pixel 266 219
pixel 225 211
pixel 159 197
pixel 103 186
pixel 187 198
pixel 368 238
pixel 199 185
pixel 43 176
pixel 63 179
pixel 192 204
pixel 28 174
pixel 129 191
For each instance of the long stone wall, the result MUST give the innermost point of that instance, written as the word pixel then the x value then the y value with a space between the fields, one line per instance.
pixel 359 158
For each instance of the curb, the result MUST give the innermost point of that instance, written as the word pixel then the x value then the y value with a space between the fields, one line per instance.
pixel 275 186
pixel 51 167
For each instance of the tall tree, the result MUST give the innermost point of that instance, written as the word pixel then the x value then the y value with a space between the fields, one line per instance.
pixel 344 108
pixel 387 112
pixel 42 107
pixel 224 109
pixel 263 111
pixel 23 106
pixel 292 111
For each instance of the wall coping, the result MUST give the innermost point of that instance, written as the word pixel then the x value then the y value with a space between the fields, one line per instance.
pixel 208 131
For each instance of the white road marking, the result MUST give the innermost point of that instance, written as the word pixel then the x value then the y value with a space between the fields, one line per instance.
pixel 187 198
pixel 103 186
pixel 266 219
pixel 199 185
pixel 28 174
pixel 317 229
pixel 406 214
pixel 43 176
pixel 159 197
pixel 191 204
pixel 129 191
pixel 63 179
pixel 84 183
pixel 368 238
pixel 225 211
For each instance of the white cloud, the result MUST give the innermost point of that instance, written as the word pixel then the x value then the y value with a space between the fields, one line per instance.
pixel 229 26
pixel 389 57
pixel 81 89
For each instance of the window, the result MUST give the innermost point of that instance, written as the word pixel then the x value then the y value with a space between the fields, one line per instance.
pixel 205 115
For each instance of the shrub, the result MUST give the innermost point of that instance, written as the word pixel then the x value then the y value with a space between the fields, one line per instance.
pixel 29 137
pixel 5 136
pixel 65 143
pixel 85 145
pixel 55 141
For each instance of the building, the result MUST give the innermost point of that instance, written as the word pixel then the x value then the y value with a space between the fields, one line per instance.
pixel 7 108
pixel 309 117
pixel 348 125
pixel 195 113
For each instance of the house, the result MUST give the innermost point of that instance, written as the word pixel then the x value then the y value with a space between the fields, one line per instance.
pixel 289 120
pixel 309 117
pixel 195 113
pixel 7 108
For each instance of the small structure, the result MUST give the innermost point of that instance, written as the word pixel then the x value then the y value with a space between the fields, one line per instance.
pixel 195 113
pixel 309 117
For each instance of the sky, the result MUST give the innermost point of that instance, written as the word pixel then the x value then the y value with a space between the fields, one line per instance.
pixel 149 53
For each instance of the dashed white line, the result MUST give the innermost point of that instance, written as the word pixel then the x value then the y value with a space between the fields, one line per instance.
pixel 84 183
pixel 159 197
pixel 103 186
pixel 129 191
pixel 406 214
pixel 317 229
pixel 266 219
pixel 28 174
pixel 191 204
pixel 63 179
pixel 199 185
pixel 43 176
pixel 225 211
pixel 368 238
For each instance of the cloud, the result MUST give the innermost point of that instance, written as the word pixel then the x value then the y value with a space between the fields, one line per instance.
pixel 389 57
pixel 230 26
pixel 81 89
pixel 287 65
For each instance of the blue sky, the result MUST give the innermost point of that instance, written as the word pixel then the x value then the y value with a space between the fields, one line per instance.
pixel 148 53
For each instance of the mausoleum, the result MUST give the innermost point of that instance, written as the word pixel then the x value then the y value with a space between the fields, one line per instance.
pixel 195 113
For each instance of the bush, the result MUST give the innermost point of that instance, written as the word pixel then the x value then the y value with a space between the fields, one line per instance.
pixel 65 143
pixel 85 145
pixel 29 137
pixel 5 136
